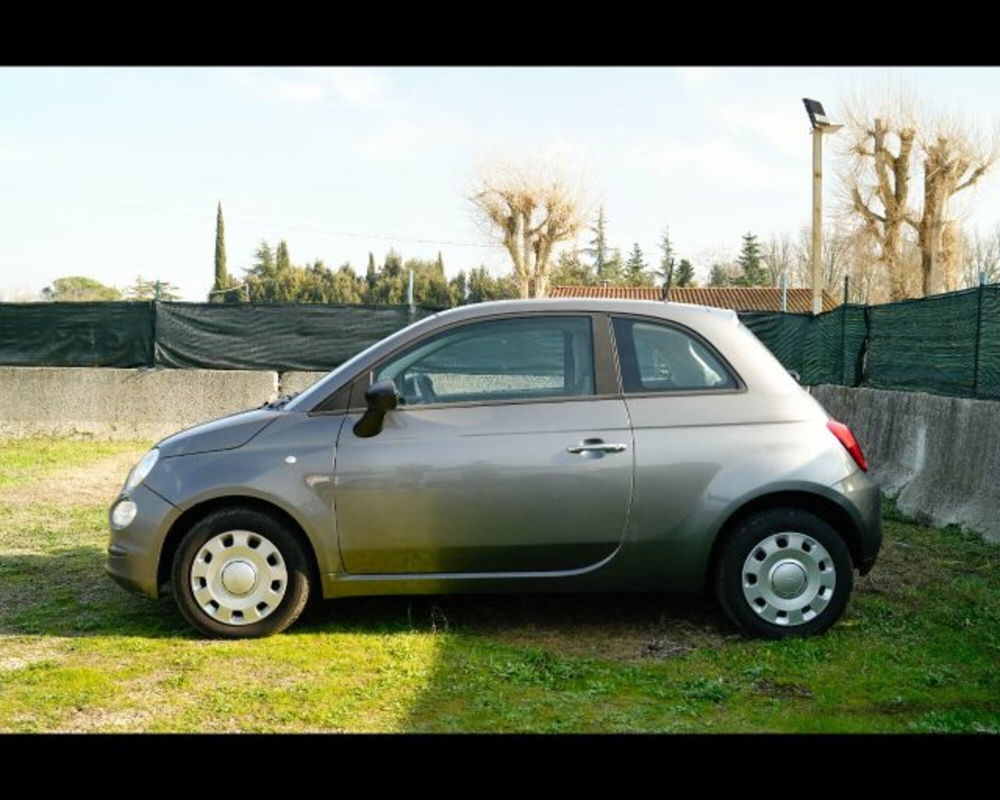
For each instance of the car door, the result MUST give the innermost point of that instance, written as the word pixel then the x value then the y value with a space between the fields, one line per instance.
pixel 686 404
pixel 510 451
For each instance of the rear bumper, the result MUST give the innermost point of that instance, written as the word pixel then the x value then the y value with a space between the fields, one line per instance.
pixel 863 501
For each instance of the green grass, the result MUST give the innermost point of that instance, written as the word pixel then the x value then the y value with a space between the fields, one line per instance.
pixel 917 651
pixel 26 460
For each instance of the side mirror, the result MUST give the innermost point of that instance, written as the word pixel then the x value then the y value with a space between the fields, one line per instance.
pixel 381 397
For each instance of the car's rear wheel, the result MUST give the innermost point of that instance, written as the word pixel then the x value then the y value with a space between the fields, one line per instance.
pixel 239 573
pixel 784 572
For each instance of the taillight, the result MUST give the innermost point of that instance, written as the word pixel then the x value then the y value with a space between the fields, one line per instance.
pixel 846 438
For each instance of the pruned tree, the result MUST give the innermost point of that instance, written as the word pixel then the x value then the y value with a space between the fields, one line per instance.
pixel 901 172
pixel 876 174
pixel 955 157
pixel 529 207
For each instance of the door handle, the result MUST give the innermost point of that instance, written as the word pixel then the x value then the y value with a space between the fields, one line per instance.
pixel 597 447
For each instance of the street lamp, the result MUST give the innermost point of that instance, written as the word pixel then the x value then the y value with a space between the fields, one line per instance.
pixel 820 125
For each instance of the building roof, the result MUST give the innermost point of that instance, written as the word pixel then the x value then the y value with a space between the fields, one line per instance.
pixel 738 298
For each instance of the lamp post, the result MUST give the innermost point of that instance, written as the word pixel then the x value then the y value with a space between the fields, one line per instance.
pixel 820 125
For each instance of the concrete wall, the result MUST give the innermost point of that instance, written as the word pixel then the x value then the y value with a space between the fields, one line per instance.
pixel 940 455
pixel 291 382
pixel 123 403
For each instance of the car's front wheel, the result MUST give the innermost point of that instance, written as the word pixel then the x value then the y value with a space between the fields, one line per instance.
pixel 784 572
pixel 239 573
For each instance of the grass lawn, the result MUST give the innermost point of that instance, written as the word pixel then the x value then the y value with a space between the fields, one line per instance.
pixel 918 650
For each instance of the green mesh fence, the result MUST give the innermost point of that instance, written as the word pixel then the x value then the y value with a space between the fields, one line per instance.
pixel 987 375
pixel 97 334
pixel 926 345
pixel 948 344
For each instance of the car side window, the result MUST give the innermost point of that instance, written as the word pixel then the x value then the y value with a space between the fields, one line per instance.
pixel 524 358
pixel 656 357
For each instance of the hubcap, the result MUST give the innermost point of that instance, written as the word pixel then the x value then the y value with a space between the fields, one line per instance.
pixel 238 577
pixel 788 578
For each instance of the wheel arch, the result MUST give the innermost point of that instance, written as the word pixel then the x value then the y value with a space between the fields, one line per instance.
pixel 191 516
pixel 812 499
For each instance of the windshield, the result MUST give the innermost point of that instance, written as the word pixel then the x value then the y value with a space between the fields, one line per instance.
pixel 326 384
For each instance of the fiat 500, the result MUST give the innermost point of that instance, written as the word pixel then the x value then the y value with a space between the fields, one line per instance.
pixel 531 446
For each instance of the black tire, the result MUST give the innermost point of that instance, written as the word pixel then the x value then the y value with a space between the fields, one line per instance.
pixel 745 538
pixel 295 565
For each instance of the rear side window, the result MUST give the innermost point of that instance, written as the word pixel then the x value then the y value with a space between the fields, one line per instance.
pixel 663 358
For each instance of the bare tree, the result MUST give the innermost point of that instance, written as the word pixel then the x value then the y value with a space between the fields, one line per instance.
pixel 955 157
pixel 779 255
pixel 876 171
pixel 980 253
pixel 529 207
pixel 836 260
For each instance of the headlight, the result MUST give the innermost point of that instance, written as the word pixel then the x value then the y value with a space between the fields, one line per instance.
pixel 142 469
pixel 123 513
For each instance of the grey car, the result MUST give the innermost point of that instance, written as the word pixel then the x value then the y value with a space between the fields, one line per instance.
pixel 570 445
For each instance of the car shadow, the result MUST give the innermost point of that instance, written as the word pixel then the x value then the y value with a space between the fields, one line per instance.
pixel 67 593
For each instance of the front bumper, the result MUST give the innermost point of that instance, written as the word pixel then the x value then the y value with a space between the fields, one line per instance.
pixel 134 552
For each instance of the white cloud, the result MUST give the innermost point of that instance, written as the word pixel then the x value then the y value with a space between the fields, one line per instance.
pixel 404 140
pixel 358 86
pixel 717 159
pixel 698 76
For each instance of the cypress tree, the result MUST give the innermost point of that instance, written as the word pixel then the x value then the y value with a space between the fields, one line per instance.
pixel 667 261
pixel 599 247
pixel 281 259
pixel 222 281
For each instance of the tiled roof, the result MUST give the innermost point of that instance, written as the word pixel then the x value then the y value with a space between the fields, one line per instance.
pixel 738 298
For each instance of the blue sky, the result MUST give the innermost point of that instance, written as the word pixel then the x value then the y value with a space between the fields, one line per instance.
pixel 113 172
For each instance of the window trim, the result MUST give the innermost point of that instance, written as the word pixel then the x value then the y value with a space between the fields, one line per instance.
pixel 740 386
pixel 607 381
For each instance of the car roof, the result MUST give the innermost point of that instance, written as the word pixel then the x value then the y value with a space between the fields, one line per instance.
pixel 680 312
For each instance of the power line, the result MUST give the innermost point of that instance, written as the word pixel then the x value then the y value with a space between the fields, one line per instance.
pixel 258 223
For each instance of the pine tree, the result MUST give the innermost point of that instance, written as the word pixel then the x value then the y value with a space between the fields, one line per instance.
pixel 685 274
pixel 598 250
pixel 570 270
pixel 667 261
pixel 754 273
pixel 144 289
pixel 720 276
pixel 635 268
pixel 614 268
pixel 263 263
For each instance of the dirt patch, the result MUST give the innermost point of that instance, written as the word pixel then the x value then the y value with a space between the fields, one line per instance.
pixel 781 690
pixel 95 483
pixel 900 565
pixel 619 627
pixel 93 719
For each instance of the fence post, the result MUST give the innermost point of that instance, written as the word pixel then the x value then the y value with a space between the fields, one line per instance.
pixel 979 334
pixel 843 331
pixel 152 324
